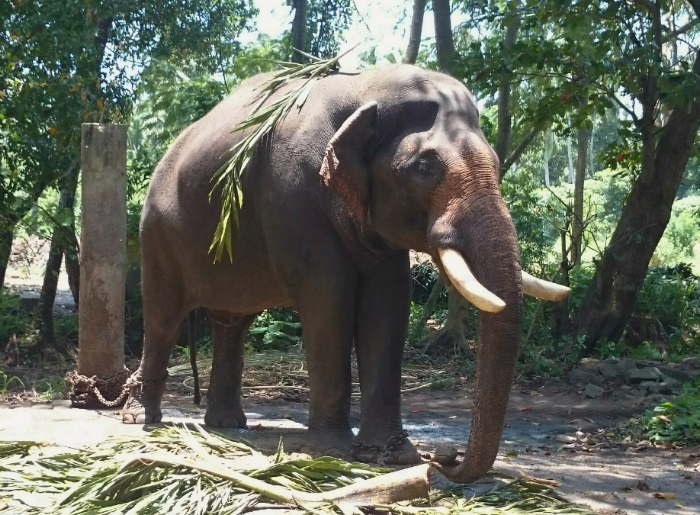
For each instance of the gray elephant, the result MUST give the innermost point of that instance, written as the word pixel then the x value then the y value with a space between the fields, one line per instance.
pixel 375 163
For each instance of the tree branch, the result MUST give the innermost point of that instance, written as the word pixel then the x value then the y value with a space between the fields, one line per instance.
pixel 519 149
pixel 679 32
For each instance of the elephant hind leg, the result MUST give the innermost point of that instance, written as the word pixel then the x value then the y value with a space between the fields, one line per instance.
pixel 224 395
pixel 163 312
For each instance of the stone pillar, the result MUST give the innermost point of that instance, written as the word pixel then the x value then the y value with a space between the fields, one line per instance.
pixel 102 249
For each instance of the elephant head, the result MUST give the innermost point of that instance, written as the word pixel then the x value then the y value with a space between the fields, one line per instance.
pixel 415 170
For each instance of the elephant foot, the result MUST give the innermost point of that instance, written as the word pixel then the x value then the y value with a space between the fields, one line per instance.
pixel 385 449
pixel 143 404
pixel 334 443
pixel 223 415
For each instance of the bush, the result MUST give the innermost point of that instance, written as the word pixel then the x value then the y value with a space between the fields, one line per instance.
pixel 276 328
pixel 669 306
pixel 13 320
pixel 676 421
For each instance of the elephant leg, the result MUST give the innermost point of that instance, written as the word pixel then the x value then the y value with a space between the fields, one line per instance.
pixel 326 309
pixel 383 300
pixel 163 313
pixel 224 393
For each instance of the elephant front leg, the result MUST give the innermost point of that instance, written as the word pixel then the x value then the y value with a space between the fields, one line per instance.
pixel 224 393
pixel 384 297
pixel 327 310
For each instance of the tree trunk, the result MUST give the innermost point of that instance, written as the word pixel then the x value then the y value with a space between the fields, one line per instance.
pixel 72 261
pixel 610 300
pixel 577 227
pixel 7 234
pixel 561 321
pixel 43 317
pixel 431 303
pixel 451 336
pixel 444 44
pixel 416 30
pixel 505 121
pixel 547 154
pixel 570 155
pixel 299 30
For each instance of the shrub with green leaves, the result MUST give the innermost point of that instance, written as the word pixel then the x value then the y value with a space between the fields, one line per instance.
pixel 275 328
pixel 670 298
pixel 13 320
pixel 677 420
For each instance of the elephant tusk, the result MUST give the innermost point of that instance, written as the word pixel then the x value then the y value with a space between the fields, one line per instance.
pixel 545 290
pixel 465 282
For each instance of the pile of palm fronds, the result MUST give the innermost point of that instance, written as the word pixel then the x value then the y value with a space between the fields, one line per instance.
pixel 178 471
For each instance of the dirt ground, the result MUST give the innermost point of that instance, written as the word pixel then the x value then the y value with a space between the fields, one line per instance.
pixel 551 432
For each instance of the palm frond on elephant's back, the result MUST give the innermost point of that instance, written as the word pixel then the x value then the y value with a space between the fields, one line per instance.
pixel 263 117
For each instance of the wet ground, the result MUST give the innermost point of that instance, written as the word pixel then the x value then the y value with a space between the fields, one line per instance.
pixel 540 439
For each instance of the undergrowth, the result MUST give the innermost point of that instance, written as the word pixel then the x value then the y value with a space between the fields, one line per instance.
pixel 672 421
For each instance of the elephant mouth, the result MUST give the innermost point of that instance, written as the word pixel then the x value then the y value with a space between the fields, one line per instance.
pixel 460 275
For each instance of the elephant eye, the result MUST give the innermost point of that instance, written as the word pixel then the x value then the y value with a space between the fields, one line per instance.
pixel 423 166
pixel 425 170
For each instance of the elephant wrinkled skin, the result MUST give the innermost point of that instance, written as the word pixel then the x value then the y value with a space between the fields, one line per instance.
pixel 375 163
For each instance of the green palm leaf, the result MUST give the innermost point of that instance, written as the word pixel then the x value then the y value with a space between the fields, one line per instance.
pixel 264 118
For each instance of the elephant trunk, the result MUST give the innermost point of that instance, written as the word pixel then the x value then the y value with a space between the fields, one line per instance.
pixel 483 233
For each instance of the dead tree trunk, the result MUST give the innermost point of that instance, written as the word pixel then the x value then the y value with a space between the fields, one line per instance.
pixel 444 44
pixel 299 30
pixel 416 30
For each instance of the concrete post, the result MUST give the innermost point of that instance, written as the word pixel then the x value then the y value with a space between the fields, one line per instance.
pixel 102 249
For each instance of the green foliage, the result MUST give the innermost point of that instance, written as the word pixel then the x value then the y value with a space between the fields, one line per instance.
pixel 416 327
pixel 326 21
pixel 51 388
pixel 203 346
pixel 440 381
pixel 67 326
pixel 7 382
pixel 275 328
pixel 66 63
pixel 677 420
pixel 682 234
pixel 13 320
pixel 670 297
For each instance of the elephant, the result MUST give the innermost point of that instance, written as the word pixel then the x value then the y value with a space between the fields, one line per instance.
pixel 373 164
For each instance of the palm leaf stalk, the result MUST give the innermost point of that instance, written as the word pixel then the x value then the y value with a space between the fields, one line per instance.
pixel 264 118
pixel 177 471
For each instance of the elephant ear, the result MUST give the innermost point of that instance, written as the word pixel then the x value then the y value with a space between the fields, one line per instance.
pixel 344 167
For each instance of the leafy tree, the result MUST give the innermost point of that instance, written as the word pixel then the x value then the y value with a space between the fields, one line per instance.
pixel 318 26
pixel 66 63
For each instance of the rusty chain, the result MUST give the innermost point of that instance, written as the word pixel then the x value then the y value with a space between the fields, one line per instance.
pixel 393 443
pixel 110 392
